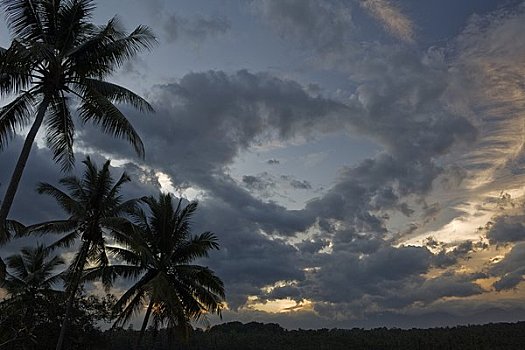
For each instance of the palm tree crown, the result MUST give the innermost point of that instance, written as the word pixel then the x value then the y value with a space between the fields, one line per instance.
pixel 29 280
pixel 163 249
pixel 31 272
pixel 57 56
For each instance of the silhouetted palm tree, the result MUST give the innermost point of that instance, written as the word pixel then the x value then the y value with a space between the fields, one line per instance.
pixel 163 250
pixel 95 208
pixel 56 56
pixel 31 275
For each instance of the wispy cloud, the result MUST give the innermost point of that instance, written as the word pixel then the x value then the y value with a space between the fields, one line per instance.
pixel 391 17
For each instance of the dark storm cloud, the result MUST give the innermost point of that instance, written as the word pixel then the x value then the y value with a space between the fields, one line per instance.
pixel 345 277
pixel 247 260
pixel 507 230
pixel 291 292
pixel 28 205
pixel 511 269
pixel 195 29
pixel 206 119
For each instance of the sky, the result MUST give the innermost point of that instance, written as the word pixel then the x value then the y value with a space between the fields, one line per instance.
pixel 361 161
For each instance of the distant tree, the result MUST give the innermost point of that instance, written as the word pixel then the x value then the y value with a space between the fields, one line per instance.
pixel 175 290
pixel 94 208
pixel 30 278
pixel 56 56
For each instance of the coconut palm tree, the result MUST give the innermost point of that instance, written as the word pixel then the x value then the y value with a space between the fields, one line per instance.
pixel 174 290
pixel 94 208
pixel 56 57
pixel 30 277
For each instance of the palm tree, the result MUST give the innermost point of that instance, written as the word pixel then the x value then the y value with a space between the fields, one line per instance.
pixel 94 208
pixel 29 279
pixel 57 56
pixel 163 249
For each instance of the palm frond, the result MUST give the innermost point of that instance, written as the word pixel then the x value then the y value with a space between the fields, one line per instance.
pixel 23 18
pixel 16 228
pixel 117 94
pixel 108 274
pixel 14 116
pixel 196 247
pixel 72 22
pixel 130 309
pixel 63 199
pixel 60 131
pixel 109 49
pixel 65 242
pixel 99 110
pixel 125 255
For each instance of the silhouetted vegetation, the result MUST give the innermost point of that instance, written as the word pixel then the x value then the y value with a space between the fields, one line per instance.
pixel 115 238
pixel 258 336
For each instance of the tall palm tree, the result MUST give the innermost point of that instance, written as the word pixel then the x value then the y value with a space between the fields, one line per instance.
pixel 94 208
pixel 30 277
pixel 57 56
pixel 175 290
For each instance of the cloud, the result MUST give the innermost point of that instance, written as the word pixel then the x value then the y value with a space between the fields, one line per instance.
pixel 510 269
pixel 507 230
pixel 391 17
pixel 323 25
pixel 258 182
pixel 195 29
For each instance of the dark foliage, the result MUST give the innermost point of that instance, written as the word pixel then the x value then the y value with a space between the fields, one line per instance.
pixel 47 314
pixel 258 336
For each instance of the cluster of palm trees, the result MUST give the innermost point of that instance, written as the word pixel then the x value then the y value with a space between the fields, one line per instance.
pixel 58 57
pixel 114 238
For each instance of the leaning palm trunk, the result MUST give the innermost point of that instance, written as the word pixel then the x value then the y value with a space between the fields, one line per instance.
pixel 144 324
pixel 76 277
pixel 20 166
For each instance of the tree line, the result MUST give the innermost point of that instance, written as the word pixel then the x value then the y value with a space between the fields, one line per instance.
pixel 258 336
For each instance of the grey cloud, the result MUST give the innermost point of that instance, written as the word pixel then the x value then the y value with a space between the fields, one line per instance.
pixel 311 246
pixel 449 285
pixel 259 183
pixel 238 111
pixel 511 269
pixel 324 25
pixel 300 185
pixel 248 260
pixel 196 29
pixel 291 292
pixel 506 230
pixel 509 280
pixel 344 276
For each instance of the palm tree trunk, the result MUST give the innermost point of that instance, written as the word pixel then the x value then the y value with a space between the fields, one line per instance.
pixel 144 324
pixel 19 168
pixel 77 275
